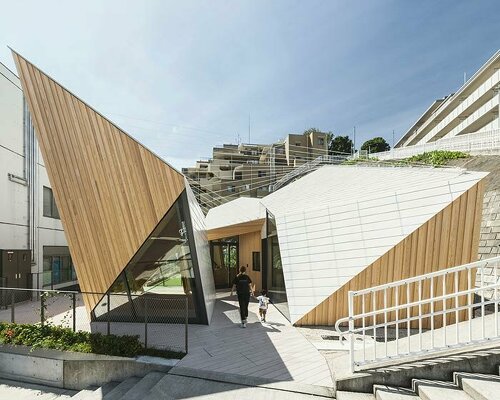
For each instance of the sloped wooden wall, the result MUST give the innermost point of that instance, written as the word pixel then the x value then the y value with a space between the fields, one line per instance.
pixel 448 239
pixel 110 190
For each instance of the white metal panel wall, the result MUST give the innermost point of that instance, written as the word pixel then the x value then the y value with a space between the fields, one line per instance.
pixel 333 238
pixel 202 251
pixel 14 230
pixel 242 209
pixel 14 196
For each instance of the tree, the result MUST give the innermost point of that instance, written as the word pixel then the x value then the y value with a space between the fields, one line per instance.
pixel 340 144
pixel 376 145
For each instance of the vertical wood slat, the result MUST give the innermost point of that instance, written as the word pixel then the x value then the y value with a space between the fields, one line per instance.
pixel 248 243
pixel 110 190
pixel 431 247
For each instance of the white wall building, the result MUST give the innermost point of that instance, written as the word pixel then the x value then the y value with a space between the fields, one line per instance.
pixel 28 216
pixel 473 108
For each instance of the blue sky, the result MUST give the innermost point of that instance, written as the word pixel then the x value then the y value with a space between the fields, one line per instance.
pixel 184 76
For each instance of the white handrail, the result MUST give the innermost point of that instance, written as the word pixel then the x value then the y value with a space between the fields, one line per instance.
pixel 432 312
pixel 477 142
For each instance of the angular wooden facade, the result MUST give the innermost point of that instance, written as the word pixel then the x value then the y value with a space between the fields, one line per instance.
pixel 110 190
pixel 448 239
pixel 345 228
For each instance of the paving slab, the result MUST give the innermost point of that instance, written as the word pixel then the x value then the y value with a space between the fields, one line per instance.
pixel 274 351
pixel 180 387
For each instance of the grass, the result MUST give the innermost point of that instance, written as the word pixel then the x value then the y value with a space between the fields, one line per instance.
pixel 435 158
pixel 54 337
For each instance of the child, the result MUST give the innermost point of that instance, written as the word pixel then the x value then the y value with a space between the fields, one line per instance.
pixel 263 303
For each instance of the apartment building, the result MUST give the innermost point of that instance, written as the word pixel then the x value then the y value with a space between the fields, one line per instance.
pixel 250 170
pixel 34 251
pixel 472 109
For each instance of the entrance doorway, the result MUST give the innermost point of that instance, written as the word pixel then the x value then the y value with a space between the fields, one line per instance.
pixel 225 261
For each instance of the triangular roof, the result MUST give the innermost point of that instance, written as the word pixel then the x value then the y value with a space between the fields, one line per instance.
pixel 110 190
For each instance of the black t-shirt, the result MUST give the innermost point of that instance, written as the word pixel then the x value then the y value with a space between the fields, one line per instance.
pixel 242 283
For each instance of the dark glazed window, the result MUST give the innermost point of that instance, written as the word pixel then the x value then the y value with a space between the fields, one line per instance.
pixel 49 204
pixel 256 260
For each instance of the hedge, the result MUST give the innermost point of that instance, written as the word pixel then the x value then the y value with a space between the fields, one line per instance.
pixel 54 337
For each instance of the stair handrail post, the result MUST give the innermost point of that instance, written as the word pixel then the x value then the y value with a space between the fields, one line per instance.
pixel 351 329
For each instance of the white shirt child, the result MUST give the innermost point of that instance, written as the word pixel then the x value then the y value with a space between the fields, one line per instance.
pixel 263 303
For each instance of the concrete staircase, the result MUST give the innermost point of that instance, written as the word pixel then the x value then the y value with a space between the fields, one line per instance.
pixel 159 385
pixel 465 386
pixel 153 386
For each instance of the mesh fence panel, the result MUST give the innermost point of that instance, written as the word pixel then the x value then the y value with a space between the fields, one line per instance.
pixel 159 321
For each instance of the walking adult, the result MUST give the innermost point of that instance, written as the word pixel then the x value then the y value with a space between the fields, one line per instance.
pixel 243 285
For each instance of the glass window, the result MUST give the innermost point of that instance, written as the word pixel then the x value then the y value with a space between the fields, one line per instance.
pixel 57 266
pixel 262 174
pixel 321 141
pixel 49 204
pixel 162 268
pixel 256 260
pixel 275 279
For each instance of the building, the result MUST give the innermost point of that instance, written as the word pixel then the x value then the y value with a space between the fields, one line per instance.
pixel 138 236
pixel 473 108
pixel 31 233
pixel 250 170
pixel 344 228
pixel 134 229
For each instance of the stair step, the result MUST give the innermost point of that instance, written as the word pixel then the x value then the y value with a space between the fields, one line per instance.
pixel 122 388
pixel 87 394
pixel 354 396
pixel 27 391
pixel 393 393
pixel 480 386
pixel 143 387
pixel 437 390
pixel 105 389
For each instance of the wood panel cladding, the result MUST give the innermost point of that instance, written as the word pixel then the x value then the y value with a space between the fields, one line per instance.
pixel 448 239
pixel 110 190
pixel 249 243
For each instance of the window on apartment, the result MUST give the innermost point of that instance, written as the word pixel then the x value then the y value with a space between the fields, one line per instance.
pixel 238 176
pixel 321 141
pixel 261 174
pixel 49 204
pixel 298 144
pixel 231 189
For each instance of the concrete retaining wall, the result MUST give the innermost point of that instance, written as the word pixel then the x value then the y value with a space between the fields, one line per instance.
pixel 69 370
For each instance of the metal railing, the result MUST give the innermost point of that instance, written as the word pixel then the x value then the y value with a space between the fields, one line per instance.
pixel 423 315
pixel 160 321
pixel 308 167
pixel 479 142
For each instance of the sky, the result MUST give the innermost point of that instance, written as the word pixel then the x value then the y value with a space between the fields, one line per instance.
pixel 184 76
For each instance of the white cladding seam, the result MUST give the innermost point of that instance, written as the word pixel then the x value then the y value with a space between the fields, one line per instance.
pixel 322 248
pixel 336 221
pixel 202 251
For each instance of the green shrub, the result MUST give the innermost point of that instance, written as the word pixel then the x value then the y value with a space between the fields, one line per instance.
pixel 54 337
pixel 437 157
